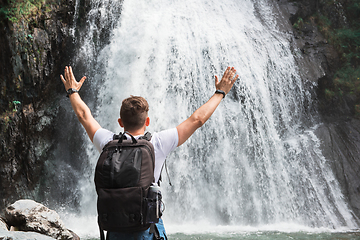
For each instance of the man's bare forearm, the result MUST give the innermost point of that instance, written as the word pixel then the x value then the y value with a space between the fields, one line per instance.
pixel 202 114
pixel 79 106
pixel 81 110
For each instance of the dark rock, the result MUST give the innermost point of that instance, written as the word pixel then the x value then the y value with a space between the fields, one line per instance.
pixel 74 235
pixel 26 138
pixel 32 52
pixel 34 145
pixel 339 132
pixel 341 147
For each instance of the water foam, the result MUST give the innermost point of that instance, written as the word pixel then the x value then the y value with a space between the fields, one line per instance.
pixel 255 164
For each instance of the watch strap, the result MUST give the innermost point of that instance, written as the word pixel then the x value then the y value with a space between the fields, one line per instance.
pixel 71 91
pixel 220 92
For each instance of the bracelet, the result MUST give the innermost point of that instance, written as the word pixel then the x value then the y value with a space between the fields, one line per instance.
pixel 221 92
pixel 71 91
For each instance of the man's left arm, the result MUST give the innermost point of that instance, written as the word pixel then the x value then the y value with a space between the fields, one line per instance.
pixel 81 110
pixel 202 114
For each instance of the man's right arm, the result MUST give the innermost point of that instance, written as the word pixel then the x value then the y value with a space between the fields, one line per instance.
pixel 202 114
pixel 81 110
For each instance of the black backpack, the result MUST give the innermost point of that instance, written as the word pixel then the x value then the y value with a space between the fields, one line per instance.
pixel 123 176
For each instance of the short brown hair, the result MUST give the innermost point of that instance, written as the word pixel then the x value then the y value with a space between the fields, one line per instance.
pixel 133 112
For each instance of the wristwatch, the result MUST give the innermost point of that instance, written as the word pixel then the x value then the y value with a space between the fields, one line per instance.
pixel 220 92
pixel 71 91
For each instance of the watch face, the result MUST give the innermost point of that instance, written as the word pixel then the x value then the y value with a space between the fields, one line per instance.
pixel 71 91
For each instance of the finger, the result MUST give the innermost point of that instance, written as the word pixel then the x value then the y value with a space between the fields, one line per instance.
pixel 82 80
pixel 236 77
pixel 71 72
pixel 66 73
pixel 226 72
pixel 216 80
pixel 233 72
pixel 230 73
pixel 62 79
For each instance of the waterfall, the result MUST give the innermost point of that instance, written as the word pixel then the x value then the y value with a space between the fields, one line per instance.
pixel 257 161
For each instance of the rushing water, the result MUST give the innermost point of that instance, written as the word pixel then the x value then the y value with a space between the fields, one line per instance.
pixel 255 169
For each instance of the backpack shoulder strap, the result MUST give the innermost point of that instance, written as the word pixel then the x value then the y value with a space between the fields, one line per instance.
pixel 167 173
pixel 147 136
pixel 121 136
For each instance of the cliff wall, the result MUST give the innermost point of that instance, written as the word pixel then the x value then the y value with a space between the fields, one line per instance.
pixel 339 128
pixel 34 48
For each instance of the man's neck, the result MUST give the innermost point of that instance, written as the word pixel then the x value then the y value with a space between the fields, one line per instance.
pixel 136 132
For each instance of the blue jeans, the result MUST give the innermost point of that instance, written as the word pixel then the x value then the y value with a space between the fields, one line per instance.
pixel 144 235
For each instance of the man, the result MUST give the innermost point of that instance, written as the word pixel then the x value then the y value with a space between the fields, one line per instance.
pixel 134 119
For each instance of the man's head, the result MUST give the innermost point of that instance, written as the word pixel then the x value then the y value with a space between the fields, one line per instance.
pixel 134 113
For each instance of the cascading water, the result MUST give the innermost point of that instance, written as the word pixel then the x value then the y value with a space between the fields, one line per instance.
pixel 255 162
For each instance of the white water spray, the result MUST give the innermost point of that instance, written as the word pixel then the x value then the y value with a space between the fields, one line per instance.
pixel 254 163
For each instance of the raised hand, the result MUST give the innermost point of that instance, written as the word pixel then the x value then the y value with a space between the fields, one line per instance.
pixel 227 81
pixel 69 81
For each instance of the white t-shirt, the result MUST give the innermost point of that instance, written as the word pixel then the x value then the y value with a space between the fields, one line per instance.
pixel 164 142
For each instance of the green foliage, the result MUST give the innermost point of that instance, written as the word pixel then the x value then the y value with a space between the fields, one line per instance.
pixel 346 40
pixel 14 105
pixel 357 110
pixel 348 79
pixel 299 23
pixel 348 43
pixel 329 94
pixel 5 117
pixel 14 10
pixel 353 10
pixel 324 25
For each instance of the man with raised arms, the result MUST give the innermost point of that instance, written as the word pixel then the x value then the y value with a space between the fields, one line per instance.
pixel 134 119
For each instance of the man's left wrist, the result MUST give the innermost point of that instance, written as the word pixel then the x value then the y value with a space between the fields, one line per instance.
pixel 218 91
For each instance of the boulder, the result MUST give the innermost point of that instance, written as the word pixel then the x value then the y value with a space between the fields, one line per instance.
pixel 28 215
pixel 8 235
pixel 3 225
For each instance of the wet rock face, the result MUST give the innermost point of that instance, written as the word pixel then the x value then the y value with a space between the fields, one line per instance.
pixel 318 59
pixel 332 9
pixel 320 53
pixel 341 147
pixel 26 139
pixel 33 48
pixel 35 147
pixel 339 131
pixel 32 52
